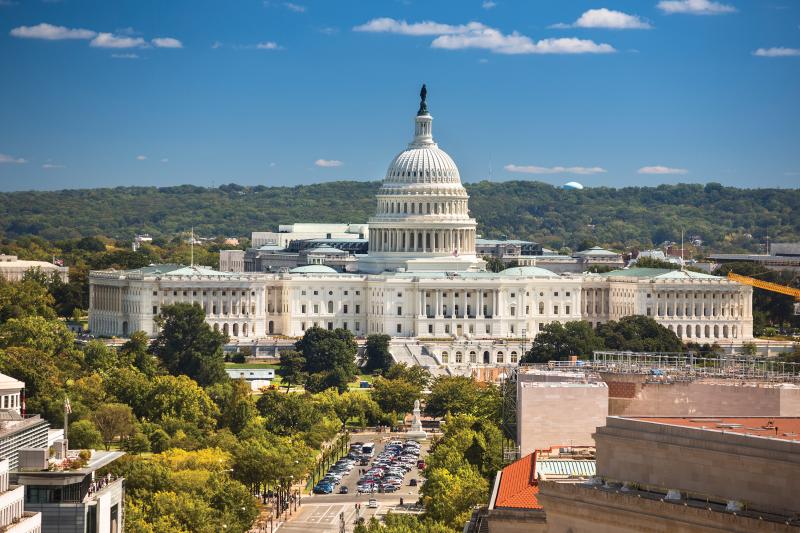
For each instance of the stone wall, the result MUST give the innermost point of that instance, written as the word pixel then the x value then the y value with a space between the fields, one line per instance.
pixel 580 509
pixel 764 473
pixel 559 414
pixel 631 396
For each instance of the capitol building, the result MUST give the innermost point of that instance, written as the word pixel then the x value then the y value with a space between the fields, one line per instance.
pixel 413 273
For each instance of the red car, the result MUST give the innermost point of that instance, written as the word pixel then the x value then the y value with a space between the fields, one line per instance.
pixel 421 465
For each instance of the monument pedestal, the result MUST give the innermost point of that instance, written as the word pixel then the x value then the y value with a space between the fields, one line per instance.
pixel 416 433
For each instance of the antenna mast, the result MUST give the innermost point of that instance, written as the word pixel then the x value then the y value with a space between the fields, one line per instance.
pixel 192 246
pixel 682 263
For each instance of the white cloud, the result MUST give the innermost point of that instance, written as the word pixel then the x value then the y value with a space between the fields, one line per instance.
pixel 531 169
pixel 109 40
pixel 328 163
pixel 606 18
pixel 488 4
pixel 297 8
pixel 480 36
pixel 390 25
pixel 166 42
pixel 4 158
pixel 51 33
pixel 141 157
pixel 329 30
pixel 52 166
pixel 125 56
pixel 777 51
pixel 164 160
pixel 514 43
pixel 695 7
pixel 269 45
pixel 662 170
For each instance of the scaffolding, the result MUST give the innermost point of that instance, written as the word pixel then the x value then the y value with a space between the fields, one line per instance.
pixel 690 366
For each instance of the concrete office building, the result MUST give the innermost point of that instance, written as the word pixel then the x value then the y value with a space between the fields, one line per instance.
pixel 72 499
pixel 665 474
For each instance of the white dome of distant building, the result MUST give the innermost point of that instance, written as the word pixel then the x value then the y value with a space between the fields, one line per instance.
pixel 313 269
pixel 572 185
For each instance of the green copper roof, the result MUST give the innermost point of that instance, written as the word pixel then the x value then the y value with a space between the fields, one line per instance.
pixel 172 269
pixel 657 273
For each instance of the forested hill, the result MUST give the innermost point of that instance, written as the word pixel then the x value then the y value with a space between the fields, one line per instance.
pixel 633 216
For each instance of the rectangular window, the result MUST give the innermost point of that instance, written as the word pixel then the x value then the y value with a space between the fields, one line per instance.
pixel 316 293
pixel 566 309
pixel 399 328
pixel 155 309
pixel 513 295
pixel 330 325
pixel 447 328
pixel 430 328
pixel 302 326
pixel 555 293
pixel 344 325
pixel 358 293
pixel 358 326
pixel 303 309
pixel 155 293
pixel 345 293
pixel 512 328
pixel 344 309
pixel 488 328
pixel 399 311
pixel 399 294
pixel 358 308
pixel 513 311
pixel 316 309
pixel 302 293
pixel 555 309
pixel 567 293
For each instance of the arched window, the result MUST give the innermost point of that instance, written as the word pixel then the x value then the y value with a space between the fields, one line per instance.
pixel 445 358
pixel 541 308
pixel 330 307
pixel 459 357
pixel 514 357
pixel 500 358
pixel 473 357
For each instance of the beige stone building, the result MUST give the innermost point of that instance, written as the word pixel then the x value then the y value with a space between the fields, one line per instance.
pixel 685 475
pixel 558 409
pixel 13 269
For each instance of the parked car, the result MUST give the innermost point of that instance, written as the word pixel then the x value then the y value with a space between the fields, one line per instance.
pixel 413 482
pixel 373 503
pixel 323 488
pixel 343 490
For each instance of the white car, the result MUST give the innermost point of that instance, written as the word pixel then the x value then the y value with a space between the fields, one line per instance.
pixel 373 503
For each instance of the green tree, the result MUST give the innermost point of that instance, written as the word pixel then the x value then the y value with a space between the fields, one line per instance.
pixel 99 356
pixel 24 298
pixel 84 435
pixel 330 358
pixel 395 395
pixel 114 420
pixel 449 496
pixel 557 341
pixel 292 369
pixel 377 352
pixel 462 395
pixel 417 375
pixel 135 352
pixel 187 345
pixel 180 398
pixel 235 403
pixel 638 334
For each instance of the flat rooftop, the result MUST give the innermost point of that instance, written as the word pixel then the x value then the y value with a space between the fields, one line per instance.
pixel 772 427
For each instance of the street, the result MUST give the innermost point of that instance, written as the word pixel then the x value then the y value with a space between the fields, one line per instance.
pixel 320 513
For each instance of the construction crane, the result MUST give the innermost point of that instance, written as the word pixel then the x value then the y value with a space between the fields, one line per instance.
pixel 769 286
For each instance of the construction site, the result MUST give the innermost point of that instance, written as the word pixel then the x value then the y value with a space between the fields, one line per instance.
pixel 563 402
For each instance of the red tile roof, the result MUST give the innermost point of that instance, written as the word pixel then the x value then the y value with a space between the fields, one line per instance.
pixel 518 485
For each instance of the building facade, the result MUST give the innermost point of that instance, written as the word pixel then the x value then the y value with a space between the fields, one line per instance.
pixel 422 278
pixel 13 517
pixel 13 269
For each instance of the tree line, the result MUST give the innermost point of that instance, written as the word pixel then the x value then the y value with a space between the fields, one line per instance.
pixel 725 218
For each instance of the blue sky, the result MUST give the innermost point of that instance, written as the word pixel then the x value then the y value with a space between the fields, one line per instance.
pixel 146 92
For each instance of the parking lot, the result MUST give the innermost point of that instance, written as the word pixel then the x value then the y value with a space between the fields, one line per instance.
pixel 323 512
